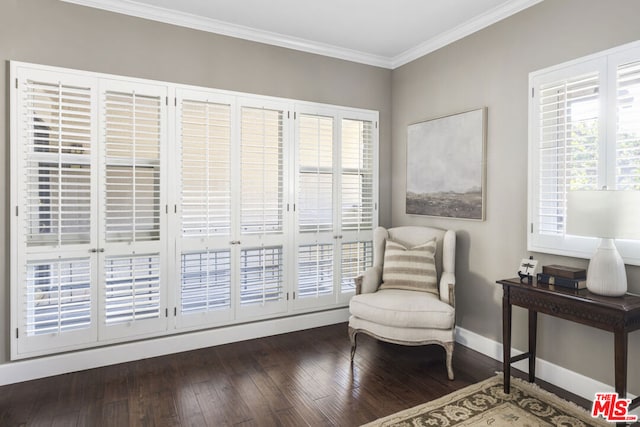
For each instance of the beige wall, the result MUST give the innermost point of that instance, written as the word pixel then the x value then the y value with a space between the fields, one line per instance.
pixel 60 34
pixel 490 68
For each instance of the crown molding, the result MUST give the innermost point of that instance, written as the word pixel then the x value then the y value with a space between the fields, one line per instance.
pixel 476 24
pixel 182 19
pixel 169 16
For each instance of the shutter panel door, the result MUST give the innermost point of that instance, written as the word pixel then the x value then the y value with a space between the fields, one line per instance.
pixel 314 156
pixel 56 135
pixel 358 200
pixel 261 229
pixel 203 248
pixel 568 145
pixel 133 128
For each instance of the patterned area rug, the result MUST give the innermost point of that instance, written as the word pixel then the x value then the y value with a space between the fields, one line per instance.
pixel 486 404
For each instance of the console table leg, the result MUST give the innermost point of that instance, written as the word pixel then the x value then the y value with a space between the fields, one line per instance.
pixel 533 333
pixel 506 339
pixel 621 346
pixel 621 349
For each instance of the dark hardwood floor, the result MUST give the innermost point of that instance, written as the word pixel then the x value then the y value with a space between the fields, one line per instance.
pixel 297 379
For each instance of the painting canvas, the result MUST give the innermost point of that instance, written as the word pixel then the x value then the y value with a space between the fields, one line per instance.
pixel 446 166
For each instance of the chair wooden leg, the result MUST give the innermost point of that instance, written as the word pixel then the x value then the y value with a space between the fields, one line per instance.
pixel 448 347
pixel 352 338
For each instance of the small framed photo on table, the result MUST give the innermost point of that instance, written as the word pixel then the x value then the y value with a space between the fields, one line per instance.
pixel 527 269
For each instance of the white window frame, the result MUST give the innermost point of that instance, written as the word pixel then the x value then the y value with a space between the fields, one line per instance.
pixel 605 63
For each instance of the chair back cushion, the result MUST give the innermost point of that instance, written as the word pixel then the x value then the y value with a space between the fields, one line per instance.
pixel 410 268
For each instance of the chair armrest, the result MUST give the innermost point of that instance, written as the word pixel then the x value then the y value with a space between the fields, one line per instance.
pixel 447 288
pixel 368 281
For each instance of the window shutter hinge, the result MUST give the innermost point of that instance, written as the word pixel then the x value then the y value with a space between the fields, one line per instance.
pixel 166 100
pixel 532 92
pixel 288 114
pixel 175 102
pixel 287 296
pixel 295 115
pixel 294 295
pixel 17 210
pixel 17 333
pixel 166 208
pixel 175 311
pixel 16 83
pixel 531 228
pixel 175 208
pixel 166 312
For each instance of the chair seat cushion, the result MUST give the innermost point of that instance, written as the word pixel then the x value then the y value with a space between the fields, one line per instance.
pixel 401 308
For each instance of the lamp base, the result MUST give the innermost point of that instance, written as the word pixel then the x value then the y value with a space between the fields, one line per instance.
pixel 606 274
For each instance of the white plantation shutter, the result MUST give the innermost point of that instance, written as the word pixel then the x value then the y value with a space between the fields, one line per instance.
pixel 132 145
pixel 627 168
pixel 203 254
pixel 54 168
pixel 315 271
pixel 315 176
pixel 568 145
pixel 132 288
pixel 262 175
pixel 206 168
pixel 261 275
pixel 58 146
pixel 133 249
pixel 205 281
pixel 357 175
pixel 143 207
pixel 584 135
pixel 356 258
pixel 58 296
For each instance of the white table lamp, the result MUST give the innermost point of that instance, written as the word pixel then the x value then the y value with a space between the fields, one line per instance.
pixel 609 215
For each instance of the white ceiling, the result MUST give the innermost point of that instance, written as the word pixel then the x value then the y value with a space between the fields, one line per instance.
pixel 386 33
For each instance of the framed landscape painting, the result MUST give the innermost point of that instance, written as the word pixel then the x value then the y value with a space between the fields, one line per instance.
pixel 446 166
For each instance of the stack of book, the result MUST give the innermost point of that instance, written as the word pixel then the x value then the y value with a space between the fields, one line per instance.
pixel 561 275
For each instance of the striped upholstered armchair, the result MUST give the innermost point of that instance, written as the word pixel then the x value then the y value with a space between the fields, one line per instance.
pixel 407 296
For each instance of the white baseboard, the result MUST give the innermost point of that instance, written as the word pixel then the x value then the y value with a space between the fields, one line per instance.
pixel 574 382
pixel 24 370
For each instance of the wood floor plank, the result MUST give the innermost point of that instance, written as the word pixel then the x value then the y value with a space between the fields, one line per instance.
pixel 297 379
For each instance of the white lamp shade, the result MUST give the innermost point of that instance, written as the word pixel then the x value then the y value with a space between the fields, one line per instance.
pixel 604 213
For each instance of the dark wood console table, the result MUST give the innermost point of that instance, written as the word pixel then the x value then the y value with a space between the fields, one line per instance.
pixel 619 315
